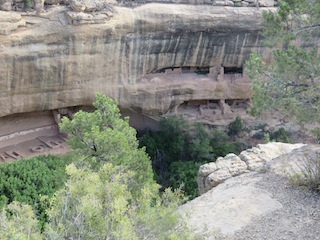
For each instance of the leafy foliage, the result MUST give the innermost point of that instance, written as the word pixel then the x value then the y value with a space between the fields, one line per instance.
pixel 111 193
pixel 184 175
pixel 18 221
pixel 29 179
pixel 179 148
pixel 290 84
pixel 281 135
pixel 307 171
pixel 103 136
pixel 236 127
pixel 100 205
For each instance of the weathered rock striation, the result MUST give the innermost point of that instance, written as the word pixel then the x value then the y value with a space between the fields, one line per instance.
pixel 49 63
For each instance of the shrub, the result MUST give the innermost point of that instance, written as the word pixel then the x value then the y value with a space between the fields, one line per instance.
pixel 184 175
pixel 307 172
pixel 221 144
pixel 200 147
pixel 18 221
pixel 259 135
pixel 281 135
pixel 236 127
pixel 29 179
pixel 179 148
pixel 241 146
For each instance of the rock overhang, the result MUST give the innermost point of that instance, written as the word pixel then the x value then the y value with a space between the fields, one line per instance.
pixel 51 64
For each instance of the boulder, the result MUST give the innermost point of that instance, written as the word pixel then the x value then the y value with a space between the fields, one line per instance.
pixel 77 6
pixel 7 6
pixel 266 3
pixel 229 207
pixel 212 174
pixel 9 22
pixel 217 177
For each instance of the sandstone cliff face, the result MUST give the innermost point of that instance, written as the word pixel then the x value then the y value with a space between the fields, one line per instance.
pixel 51 64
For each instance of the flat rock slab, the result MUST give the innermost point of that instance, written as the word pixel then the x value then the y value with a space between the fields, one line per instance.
pixel 256 206
pixel 230 206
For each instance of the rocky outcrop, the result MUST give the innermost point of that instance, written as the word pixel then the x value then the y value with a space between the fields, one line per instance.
pixel 214 173
pixel 49 63
pixel 10 21
pixel 229 3
pixel 228 208
pixel 260 204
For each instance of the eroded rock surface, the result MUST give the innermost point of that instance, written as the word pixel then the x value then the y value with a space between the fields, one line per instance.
pixel 10 21
pixel 52 64
pixel 259 204
pixel 255 206
pixel 212 174
pixel 229 207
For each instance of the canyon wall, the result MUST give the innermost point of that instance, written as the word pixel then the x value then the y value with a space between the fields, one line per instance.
pixel 50 62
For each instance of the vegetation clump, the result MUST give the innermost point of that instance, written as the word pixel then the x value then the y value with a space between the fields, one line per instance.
pixel 29 179
pixel 307 172
pixel 179 148
pixel 110 192
pixel 236 127
pixel 291 83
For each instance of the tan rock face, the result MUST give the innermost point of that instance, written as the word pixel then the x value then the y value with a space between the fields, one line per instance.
pixel 52 64
pixel 212 174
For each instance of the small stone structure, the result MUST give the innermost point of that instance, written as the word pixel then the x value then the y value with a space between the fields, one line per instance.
pixel 173 71
pixel 224 79
pixel 214 173
pixel 214 72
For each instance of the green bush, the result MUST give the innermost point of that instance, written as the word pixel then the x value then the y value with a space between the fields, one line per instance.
pixel 307 171
pixel 236 127
pixel 184 175
pixel 238 4
pixel 27 180
pixel 281 135
pixel 259 135
pixel 220 141
pixel 179 142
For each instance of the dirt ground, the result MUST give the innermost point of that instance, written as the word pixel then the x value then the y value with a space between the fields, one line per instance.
pixel 28 135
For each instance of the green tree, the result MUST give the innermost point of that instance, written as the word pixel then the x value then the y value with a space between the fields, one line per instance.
pixel 290 84
pixel 19 222
pixel 27 180
pixel 200 145
pixel 174 137
pixel 100 205
pixel 236 127
pixel 111 193
pixel 179 148
pixel 103 136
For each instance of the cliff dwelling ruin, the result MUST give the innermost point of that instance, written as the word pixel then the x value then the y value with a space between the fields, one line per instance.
pixel 230 87
pixel 155 59
pixel 29 134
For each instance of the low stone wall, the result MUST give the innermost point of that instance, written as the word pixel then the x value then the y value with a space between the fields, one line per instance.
pixel 214 173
